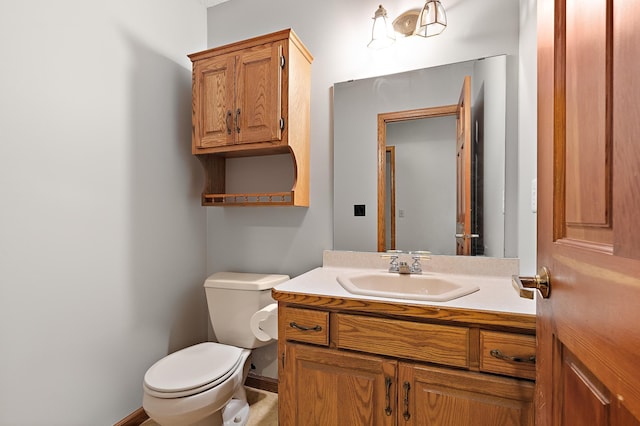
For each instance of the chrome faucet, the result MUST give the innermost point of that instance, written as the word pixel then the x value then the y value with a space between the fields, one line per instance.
pixel 402 267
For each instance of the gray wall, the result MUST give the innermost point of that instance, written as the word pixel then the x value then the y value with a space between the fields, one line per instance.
pixel 527 135
pixel 102 238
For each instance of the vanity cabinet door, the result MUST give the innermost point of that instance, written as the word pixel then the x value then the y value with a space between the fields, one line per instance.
pixel 431 396
pixel 326 387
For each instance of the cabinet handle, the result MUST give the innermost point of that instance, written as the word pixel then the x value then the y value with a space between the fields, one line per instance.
pixel 228 121
pixel 406 387
pixel 387 397
pixel 304 328
pixel 238 120
pixel 528 359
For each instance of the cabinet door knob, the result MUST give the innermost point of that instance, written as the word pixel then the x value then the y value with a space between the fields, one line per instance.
pixel 238 120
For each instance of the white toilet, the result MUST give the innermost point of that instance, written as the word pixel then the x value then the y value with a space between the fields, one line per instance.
pixel 203 384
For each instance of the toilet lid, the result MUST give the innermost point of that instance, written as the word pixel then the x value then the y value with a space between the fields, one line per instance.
pixel 193 367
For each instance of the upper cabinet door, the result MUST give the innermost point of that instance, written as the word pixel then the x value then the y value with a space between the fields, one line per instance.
pixel 213 102
pixel 259 94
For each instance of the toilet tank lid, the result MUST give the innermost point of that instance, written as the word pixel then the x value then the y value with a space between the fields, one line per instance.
pixel 244 281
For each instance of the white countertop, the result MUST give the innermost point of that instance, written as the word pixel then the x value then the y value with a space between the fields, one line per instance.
pixel 495 293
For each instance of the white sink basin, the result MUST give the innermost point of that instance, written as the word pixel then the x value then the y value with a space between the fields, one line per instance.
pixel 425 286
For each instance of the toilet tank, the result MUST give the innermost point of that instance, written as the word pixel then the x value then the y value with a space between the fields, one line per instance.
pixel 233 298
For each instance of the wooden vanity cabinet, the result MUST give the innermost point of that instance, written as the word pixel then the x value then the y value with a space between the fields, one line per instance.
pixel 327 387
pixel 252 98
pixel 363 368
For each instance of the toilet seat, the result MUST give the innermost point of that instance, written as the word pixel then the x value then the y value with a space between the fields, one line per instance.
pixel 192 370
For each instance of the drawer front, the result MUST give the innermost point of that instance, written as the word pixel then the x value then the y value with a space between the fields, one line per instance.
pixel 306 325
pixel 508 353
pixel 442 344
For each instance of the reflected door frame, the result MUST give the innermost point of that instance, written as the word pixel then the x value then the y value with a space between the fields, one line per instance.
pixel 391 194
pixel 394 117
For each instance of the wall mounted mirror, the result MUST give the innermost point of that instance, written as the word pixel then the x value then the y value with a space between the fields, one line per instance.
pixel 424 154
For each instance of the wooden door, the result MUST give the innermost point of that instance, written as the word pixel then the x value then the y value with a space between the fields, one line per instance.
pixel 213 102
pixel 329 388
pixel 589 211
pixel 259 94
pixel 432 396
pixel 463 170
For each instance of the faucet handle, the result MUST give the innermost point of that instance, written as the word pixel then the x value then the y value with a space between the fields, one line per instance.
pixel 392 255
pixel 417 256
pixel 420 254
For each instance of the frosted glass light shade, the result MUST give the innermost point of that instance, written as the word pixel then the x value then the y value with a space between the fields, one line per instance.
pixel 432 19
pixel 382 34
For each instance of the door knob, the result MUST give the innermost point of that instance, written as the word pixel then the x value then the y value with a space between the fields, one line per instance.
pixel 525 285
pixel 465 236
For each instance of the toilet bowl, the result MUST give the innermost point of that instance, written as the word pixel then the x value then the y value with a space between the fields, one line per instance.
pixel 203 384
pixel 188 388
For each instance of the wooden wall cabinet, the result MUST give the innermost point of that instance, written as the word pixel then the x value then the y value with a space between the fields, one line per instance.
pixel 252 98
pixel 340 367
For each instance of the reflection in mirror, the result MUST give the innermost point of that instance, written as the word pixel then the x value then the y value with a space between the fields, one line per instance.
pixel 429 164
pixel 423 203
pixel 389 197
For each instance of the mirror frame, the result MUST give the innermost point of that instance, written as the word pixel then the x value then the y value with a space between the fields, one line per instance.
pixel 394 117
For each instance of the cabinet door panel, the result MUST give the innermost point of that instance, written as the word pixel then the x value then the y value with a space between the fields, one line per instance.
pixel 259 94
pixel 333 388
pixel 213 94
pixel 438 397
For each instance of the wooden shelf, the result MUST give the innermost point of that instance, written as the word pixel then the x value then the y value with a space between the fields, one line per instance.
pixel 256 199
